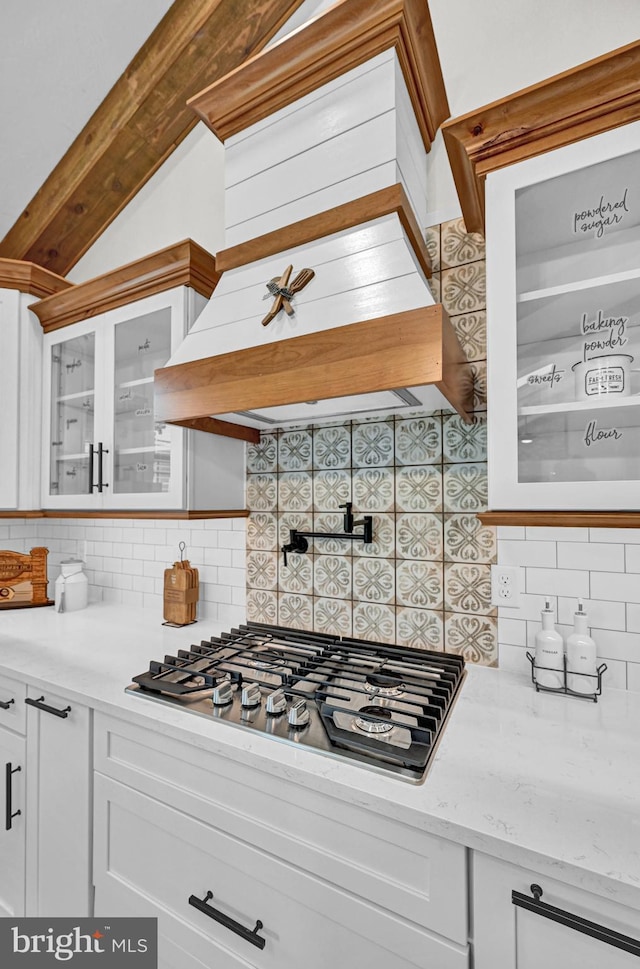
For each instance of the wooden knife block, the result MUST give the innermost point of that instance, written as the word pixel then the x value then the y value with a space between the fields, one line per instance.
pixel 181 593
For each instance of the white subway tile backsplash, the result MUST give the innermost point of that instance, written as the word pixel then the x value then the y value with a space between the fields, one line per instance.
pixel 514 659
pixel 601 556
pixel 632 558
pixel 218 556
pixel 615 676
pixel 625 536
pixel 542 554
pixel 605 615
pixel 619 587
pixel 512 532
pixel 545 534
pixel 633 677
pixel 155 536
pixel 633 617
pixel 559 582
pixel 512 632
pixel 617 645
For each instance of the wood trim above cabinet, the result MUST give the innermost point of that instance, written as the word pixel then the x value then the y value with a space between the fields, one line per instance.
pixel 563 519
pixel 407 349
pixel 383 202
pixel 587 100
pixel 139 124
pixel 180 514
pixel 29 278
pixel 183 264
pixel 345 36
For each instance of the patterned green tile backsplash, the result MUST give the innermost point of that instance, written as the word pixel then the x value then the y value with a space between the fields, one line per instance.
pixel 425 580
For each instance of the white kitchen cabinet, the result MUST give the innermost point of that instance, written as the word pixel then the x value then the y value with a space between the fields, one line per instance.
pixel 102 446
pixel 58 812
pixel 12 826
pixel 563 311
pixel 46 848
pixel 20 432
pixel 172 821
pixel 509 936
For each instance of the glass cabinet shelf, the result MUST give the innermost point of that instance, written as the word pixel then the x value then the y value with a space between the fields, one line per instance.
pixel 579 285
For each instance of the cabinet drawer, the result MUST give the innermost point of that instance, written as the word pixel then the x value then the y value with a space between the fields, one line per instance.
pixel 14 715
pixel 415 875
pixel 166 857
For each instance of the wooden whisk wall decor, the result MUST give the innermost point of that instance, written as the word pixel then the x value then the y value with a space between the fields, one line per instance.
pixel 283 291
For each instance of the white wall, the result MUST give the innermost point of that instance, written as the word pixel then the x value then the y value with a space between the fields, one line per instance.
pixel 183 200
pixel 491 48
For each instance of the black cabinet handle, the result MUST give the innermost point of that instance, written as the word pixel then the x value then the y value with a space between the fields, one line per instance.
pixel 251 935
pixel 101 452
pixel 39 705
pixel 10 814
pixel 91 457
pixel 5 704
pixel 576 922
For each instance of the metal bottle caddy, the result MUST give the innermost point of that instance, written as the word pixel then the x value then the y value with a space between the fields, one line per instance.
pixel 565 672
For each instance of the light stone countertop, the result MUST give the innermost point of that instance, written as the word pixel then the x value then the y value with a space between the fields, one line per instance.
pixel 539 780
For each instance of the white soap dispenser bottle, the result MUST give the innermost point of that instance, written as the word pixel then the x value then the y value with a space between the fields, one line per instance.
pixel 581 655
pixel 549 656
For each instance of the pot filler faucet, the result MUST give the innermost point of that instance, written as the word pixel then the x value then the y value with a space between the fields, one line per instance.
pixel 298 540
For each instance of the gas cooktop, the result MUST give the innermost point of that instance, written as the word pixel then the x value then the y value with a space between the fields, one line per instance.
pixel 379 705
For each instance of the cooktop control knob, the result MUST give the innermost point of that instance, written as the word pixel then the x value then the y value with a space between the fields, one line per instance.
pixel 298 714
pixel 276 702
pixel 251 695
pixel 222 694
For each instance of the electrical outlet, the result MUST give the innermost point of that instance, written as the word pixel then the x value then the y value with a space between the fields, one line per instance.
pixel 505 586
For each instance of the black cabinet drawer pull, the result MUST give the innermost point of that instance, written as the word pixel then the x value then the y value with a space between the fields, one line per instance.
pixel 39 705
pixel 576 922
pixel 5 704
pixel 251 935
pixel 10 814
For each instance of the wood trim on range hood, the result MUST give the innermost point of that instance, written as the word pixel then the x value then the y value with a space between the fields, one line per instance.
pixel 594 97
pixel 407 349
pixel 345 36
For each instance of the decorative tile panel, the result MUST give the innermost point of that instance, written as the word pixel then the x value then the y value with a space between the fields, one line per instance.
pixel 419 440
pixel 296 611
pixel 332 447
pixel 332 576
pixel 262 530
pixel 372 444
pixel 474 637
pixel 420 628
pixel 419 537
pixel 424 580
pixel 419 488
pixel 262 457
pixel 419 584
pixel 294 451
pixel 464 289
pixel 373 580
pixel 465 487
pixel 459 246
pixel 373 489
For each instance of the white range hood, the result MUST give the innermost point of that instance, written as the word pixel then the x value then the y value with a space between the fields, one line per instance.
pixel 332 181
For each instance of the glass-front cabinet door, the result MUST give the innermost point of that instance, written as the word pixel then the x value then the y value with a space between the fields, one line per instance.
pixel 143 449
pixel 105 448
pixel 563 233
pixel 70 424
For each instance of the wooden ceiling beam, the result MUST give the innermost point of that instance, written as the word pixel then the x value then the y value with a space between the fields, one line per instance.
pixel 140 122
